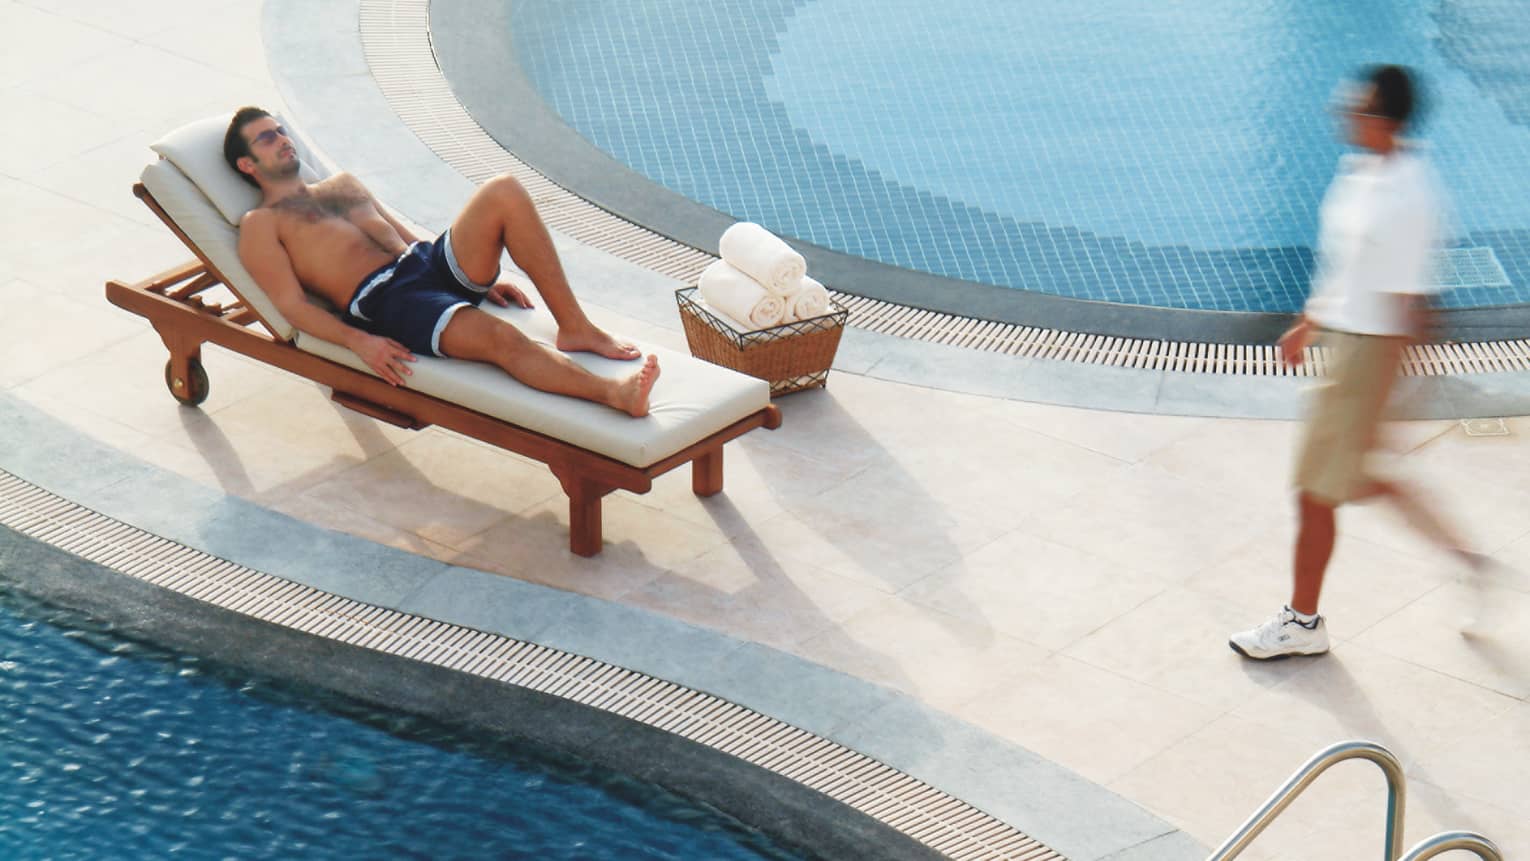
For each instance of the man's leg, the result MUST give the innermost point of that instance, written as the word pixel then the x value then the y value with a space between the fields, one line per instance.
pixel 477 336
pixel 1297 629
pixel 501 217
pixel 1315 532
pixel 1424 519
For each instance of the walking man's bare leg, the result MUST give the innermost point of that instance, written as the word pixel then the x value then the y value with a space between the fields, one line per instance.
pixel 501 217
pixel 1427 521
pixel 1315 533
pixel 477 336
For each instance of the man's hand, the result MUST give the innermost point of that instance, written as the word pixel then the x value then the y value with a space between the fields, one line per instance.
pixel 1293 344
pixel 502 294
pixel 386 356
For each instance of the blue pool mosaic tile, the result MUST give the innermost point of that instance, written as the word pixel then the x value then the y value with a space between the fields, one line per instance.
pixel 1153 154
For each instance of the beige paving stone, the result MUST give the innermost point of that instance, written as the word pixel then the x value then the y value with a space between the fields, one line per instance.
pixel 1002 474
pixel 36 223
pixel 759 479
pixel 1515 559
pixel 68 131
pixel 1035 590
pixel 53 43
pixel 437 486
pixel 302 414
pixel 172 85
pixel 185 462
pixel 104 176
pixel 93 425
pixel 130 20
pixel 126 382
pixel 1432 809
pixel 1246 459
pixel 875 527
pixel 823 427
pixel 121 249
pixel 1176 641
pixel 39 332
pixel 1358 692
pixel 1428 632
pixel 341 518
pixel 1365 582
pixel 223 35
pixel 1129 437
pixel 1157 522
pixel 640 545
pixel 943 660
pixel 742 588
pixel 1488 762
pixel 1095 722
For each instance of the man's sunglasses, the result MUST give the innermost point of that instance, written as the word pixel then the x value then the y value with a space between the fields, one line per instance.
pixel 269 135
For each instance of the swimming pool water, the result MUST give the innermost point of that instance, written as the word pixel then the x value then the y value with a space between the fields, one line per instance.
pixel 114 749
pixel 1168 154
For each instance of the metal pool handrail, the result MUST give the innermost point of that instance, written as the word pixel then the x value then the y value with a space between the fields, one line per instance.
pixel 1304 776
pixel 1446 841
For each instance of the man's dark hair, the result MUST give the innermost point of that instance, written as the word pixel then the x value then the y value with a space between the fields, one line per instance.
pixel 235 146
pixel 1395 95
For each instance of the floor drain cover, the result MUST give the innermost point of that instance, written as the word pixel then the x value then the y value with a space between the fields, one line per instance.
pixel 1484 427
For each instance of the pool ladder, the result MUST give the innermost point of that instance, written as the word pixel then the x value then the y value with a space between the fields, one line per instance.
pixel 1445 841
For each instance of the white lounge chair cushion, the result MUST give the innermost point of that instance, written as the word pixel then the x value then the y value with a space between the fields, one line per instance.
pixel 197 149
pixel 692 400
pixel 211 233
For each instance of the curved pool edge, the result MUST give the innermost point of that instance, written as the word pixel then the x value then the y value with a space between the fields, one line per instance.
pixel 1076 817
pixel 497 93
pixel 780 808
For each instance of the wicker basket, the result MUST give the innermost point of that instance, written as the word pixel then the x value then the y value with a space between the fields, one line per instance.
pixel 791 356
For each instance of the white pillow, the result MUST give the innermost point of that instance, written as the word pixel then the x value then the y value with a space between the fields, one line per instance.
pixel 197 149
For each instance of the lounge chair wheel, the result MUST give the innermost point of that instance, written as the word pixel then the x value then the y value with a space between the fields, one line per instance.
pixel 190 392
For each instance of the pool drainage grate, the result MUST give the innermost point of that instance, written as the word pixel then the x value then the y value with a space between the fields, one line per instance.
pixel 395 36
pixel 901 801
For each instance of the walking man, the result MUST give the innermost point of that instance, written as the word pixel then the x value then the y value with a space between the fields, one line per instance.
pixel 1378 229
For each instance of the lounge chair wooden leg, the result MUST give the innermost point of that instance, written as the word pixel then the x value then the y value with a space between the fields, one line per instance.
pixel 184 374
pixel 584 524
pixel 707 473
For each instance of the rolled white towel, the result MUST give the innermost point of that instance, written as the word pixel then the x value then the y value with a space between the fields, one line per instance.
pixel 812 300
pixel 738 296
pixel 762 256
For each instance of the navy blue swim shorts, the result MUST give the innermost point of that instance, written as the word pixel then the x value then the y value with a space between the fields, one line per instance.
pixel 413 298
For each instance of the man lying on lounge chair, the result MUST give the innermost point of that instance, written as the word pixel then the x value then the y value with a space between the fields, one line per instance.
pixel 400 295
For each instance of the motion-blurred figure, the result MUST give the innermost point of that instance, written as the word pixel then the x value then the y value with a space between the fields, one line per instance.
pixel 1379 227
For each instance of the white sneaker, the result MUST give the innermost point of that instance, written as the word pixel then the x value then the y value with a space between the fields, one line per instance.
pixel 1281 637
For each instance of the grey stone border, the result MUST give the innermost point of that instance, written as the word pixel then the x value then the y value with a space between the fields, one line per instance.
pixel 467 37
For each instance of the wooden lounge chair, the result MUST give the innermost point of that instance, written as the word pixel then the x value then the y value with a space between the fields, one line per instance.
pixel 593 450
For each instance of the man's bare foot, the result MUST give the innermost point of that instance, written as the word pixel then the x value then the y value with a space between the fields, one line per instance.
pixel 632 393
pixel 593 340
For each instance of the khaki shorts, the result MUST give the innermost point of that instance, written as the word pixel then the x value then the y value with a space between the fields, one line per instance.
pixel 1345 416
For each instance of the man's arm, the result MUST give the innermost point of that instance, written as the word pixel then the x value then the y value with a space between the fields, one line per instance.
pixel 1293 344
pixel 261 251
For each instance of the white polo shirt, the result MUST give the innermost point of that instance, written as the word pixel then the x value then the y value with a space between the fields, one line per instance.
pixel 1378 229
